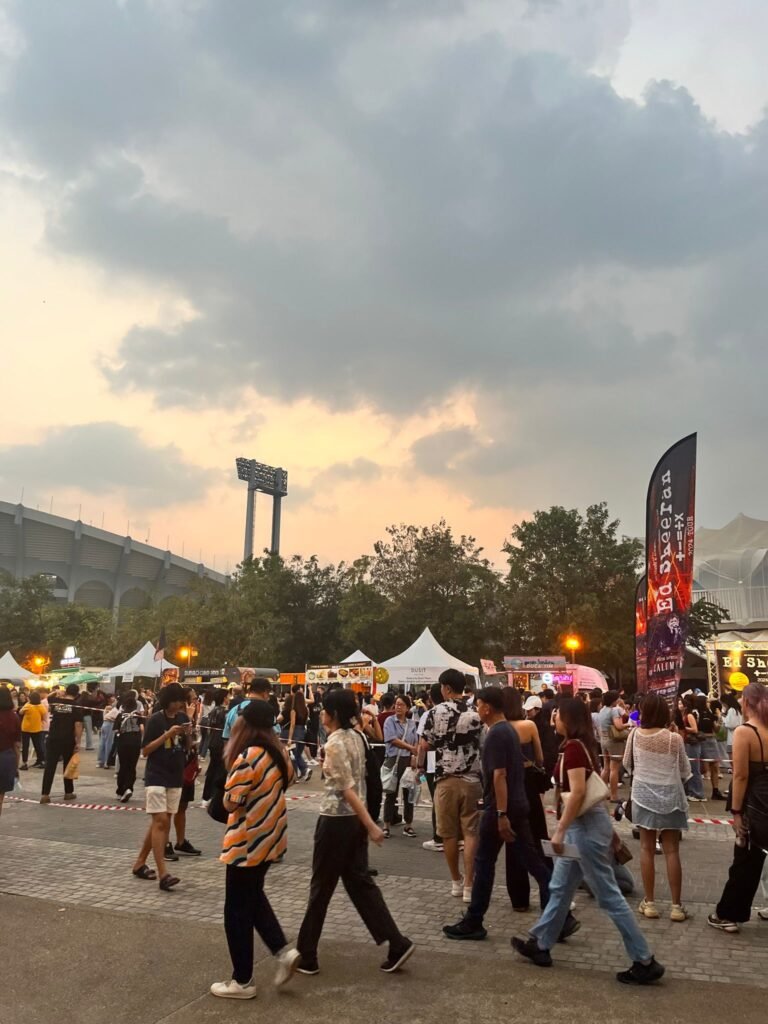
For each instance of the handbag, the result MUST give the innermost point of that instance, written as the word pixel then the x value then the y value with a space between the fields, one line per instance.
pixel 538 778
pixel 596 791
pixel 191 770
pixel 618 735
pixel 72 770
pixel 623 854
pixel 216 808
pixel 389 775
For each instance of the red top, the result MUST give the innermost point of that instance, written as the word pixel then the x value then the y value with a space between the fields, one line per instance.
pixel 383 716
pixel 10 729
pixel 574 755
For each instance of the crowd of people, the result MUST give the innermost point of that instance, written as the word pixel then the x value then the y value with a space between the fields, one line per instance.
pixel 488 757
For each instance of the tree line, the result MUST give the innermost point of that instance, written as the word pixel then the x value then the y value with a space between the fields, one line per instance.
pixel 566 572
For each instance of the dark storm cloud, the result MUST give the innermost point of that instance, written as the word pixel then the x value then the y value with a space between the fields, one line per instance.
pixel 419 211
pixel 101 458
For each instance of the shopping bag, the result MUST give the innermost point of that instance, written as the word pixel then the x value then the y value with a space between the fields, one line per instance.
pixel 72 771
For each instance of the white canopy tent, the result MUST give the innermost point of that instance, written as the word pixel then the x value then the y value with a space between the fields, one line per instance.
pixel 357 656
pixel 12 670
pixel 422 663
pixel 142 664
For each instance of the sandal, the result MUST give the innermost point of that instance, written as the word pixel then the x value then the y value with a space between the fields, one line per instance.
pixel 167 882
pixel 386 832
pixel 145 873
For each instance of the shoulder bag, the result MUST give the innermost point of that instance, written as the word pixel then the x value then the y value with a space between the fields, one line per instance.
pixel 596 791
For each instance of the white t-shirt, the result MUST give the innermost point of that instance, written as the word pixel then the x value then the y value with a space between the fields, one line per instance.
pixel 431 756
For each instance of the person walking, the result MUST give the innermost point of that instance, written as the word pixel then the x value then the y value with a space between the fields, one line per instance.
pixel 10 743
pixel 504 821
pixel 106 734
pixel 591 831
pixel 293 722
pixel 536 784
pixel 216 772
pixel 434 697
pixel 750 813
pixel 165 741
pixel 341 842
pixel 129 729
pixel 656 760
pixel 259 773
pixel 453 731
pixel 63 739
pixel 401 745
pixel 613 737
pixel 32 717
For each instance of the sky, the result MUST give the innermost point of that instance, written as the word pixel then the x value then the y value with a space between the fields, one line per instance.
pixel 440 259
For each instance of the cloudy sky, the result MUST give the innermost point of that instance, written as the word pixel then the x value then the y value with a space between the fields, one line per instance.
pixel 436 258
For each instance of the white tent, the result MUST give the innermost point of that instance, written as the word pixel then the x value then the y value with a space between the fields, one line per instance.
pixel 11 669
pixel 422 664
pixel 357 656
pixel 142 664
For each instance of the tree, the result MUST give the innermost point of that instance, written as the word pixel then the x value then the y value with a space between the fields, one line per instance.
pixel 570 572
pixel 703 620
pixel 22 621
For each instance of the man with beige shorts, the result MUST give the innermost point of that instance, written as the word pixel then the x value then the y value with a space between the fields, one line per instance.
pixel 166 737
pixel 453 730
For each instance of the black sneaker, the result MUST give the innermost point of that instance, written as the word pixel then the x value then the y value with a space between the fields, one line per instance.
pixel 308 966
pixel 397 956
pixel 530 950
pixel 464 930
pixel 169 853
pixel 570 927
pixel 187 849
pixel 641 974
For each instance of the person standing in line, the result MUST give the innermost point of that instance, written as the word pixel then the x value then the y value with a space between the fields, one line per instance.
pixel 592 833
pixel 256 837
pixel 687 721
pixel 655 758
pixel 453 731
pixel 166 737
pixel 216 772
pixel 504 820
pixel 709 755
pixel 293 721
pixel 341 842
pixel 32 716
pixel 750 813
pixel 10 742
pixel 401 745
pixel 87 701
pixel 733 719
pixel 542 719
pixel 206 704
pixel 610 718
pixel 434 697
pixel 129 729
pixel 63 739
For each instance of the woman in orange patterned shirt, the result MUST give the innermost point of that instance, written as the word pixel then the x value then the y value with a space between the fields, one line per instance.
pixel 256 836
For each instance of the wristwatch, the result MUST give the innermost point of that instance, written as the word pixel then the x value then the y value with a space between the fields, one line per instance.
pixel 501 814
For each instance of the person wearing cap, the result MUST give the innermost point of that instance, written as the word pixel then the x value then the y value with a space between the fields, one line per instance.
pixel 532 704
pixel 542 719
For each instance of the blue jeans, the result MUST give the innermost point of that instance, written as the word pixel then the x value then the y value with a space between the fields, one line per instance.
pixel 297 753
pixel 488 847
pixel 695 785
pixel 88 726
pixel 592 833
pixel 105 743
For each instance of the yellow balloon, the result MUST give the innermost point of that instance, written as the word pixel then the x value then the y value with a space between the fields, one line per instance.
pixel 737 681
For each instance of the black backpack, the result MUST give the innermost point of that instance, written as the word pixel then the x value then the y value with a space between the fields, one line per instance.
pixel 757 801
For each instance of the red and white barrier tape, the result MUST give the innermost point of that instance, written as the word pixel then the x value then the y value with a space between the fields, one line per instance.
pixel 72 805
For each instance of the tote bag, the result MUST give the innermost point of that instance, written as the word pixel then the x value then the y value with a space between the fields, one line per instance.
pixel 596 792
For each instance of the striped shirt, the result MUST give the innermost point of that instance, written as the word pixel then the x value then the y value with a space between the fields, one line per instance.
pixel 257 830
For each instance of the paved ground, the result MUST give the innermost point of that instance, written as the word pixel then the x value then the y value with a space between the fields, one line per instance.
pixel 80 861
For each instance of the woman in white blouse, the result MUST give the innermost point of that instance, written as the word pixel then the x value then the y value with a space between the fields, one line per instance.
pixel 657 761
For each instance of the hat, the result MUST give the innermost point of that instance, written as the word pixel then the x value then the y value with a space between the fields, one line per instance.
pixel 531 703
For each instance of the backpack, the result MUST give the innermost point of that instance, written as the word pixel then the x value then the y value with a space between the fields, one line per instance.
pixel 216 720
pixel 756 809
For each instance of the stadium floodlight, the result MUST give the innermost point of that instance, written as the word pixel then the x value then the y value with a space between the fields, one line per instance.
pixel 269 480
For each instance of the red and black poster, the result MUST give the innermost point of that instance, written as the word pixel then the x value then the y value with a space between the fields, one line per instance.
pixel 670 524
pixel 641 635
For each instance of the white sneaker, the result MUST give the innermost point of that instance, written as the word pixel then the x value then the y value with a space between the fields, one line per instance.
pixel 287 962
pixel 457 888
pixel 233 989
pixel 466 895
pixel 432 845
pixel 763 914
pixel 126 796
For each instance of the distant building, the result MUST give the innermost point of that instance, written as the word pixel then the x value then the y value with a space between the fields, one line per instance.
pixel 92 566
pixel 731 569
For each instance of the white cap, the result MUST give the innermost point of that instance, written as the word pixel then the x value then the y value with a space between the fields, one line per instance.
pixel 531 703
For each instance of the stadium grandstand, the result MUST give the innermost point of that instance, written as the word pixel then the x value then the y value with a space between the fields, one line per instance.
pixel 92 566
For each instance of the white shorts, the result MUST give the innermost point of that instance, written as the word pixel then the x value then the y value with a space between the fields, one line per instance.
pixel 161 800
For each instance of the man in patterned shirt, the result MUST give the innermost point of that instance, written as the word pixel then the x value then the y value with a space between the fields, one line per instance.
pixel 453 731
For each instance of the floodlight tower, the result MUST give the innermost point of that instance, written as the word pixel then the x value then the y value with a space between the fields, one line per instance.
pixel 268 480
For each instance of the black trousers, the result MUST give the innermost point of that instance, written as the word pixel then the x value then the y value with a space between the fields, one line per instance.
pixel 57 750
pixel 247 909
pixel 216 774
pixel 341 852
pixel 488 847
pixel 740 889
pixel 390 799
pixel 37 743
pixel 518 883
pixel 128 750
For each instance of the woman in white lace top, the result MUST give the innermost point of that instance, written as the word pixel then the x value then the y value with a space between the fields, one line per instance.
pixel 656 759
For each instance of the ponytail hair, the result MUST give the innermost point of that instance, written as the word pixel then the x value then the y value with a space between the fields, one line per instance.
pixel 755 703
